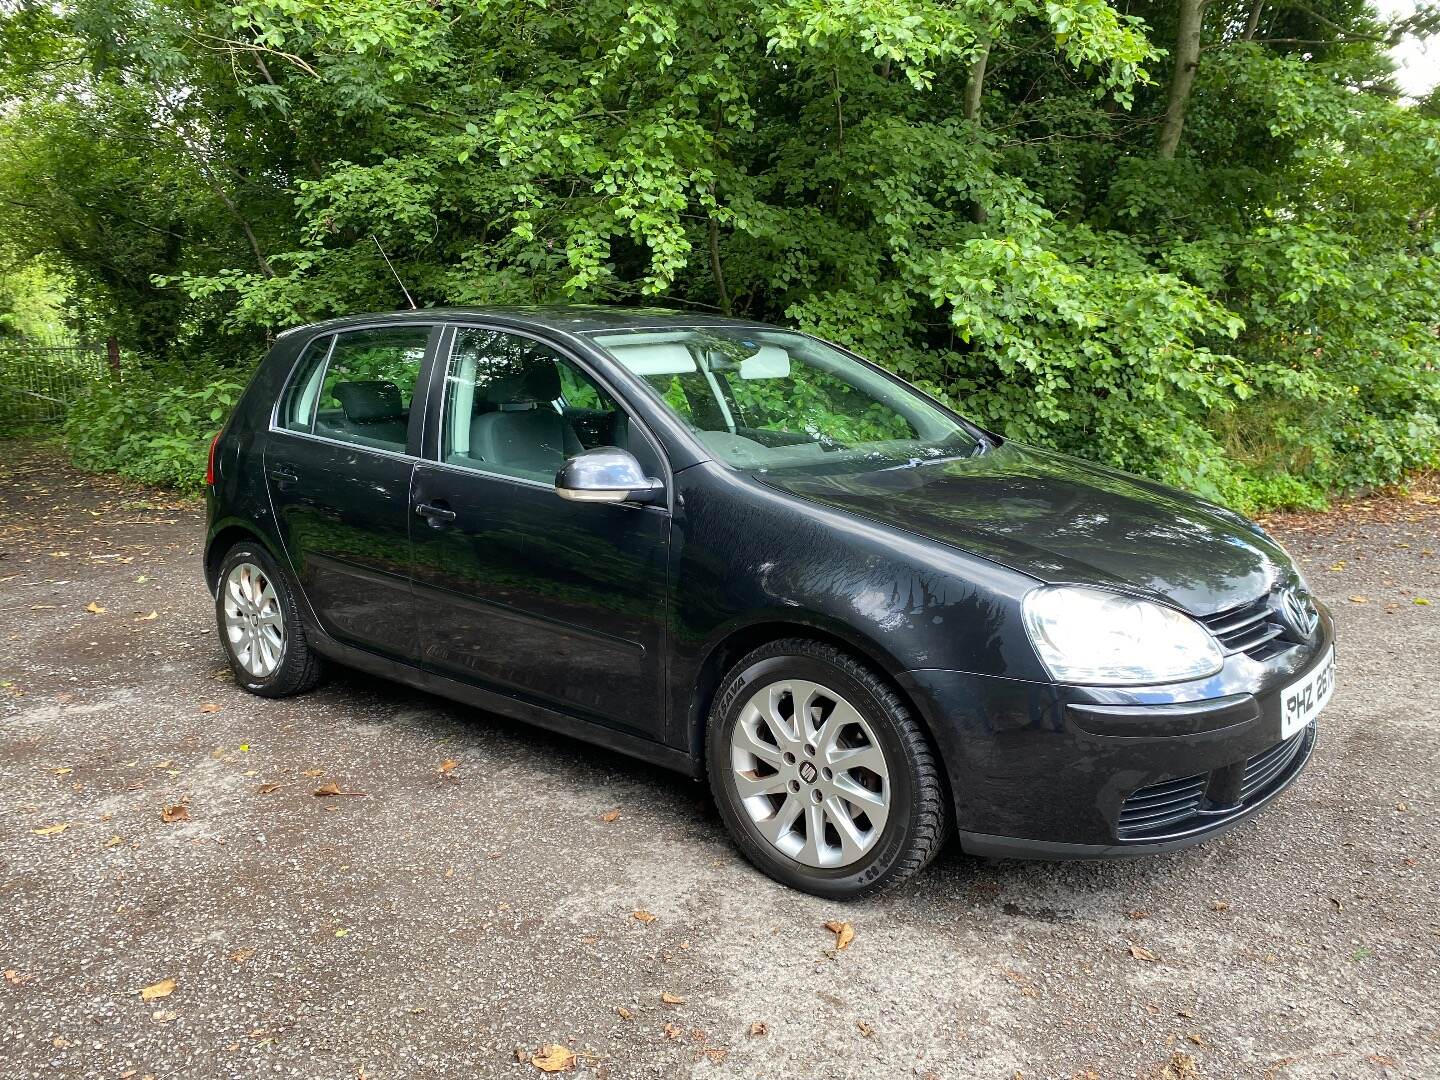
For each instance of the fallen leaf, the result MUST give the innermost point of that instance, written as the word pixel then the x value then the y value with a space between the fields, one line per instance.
pixel 239 956
pixel 865 1029
pixel 149 618
pixel 716 1054
pixel 63 770
pixel 60 1042
pixel 1383 1060
pixel 1139 952
pixel 156 991
pixel 51 830
pixel 341 932
pixel 333 788
pixel 624 1013
pixel 553 1058
pixel 172 814
pixel 313 773
pixel 94 608
pixel 844 933
pixel 210 707
pixel 759 1029
pixel 1137 915
pixel 267 789
pixel 1180 1067
pixel 1195 1037
pixel 644 916
pixel 114 841
pixel 1219 905
pixel 448 766
pixel 1422 601
pixel 610 815
pixel 1339 906
pixel 672 999
pixel 14 978
pixel 1359 599
pixel 672 1032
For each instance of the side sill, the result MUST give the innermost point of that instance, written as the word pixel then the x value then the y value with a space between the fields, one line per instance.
pixel 551 719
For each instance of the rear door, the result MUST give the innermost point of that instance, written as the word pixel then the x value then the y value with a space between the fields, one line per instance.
pixel 558 602
pixel 338 463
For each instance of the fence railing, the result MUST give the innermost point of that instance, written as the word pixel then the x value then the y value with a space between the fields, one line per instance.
pixel 39 379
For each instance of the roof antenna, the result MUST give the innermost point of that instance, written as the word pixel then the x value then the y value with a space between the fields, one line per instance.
pixel 408 298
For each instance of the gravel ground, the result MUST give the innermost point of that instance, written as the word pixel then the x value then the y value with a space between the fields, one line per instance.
pixel 437 924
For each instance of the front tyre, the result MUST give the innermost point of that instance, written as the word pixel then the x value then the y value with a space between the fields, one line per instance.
pixel 824 779
pixel 260 626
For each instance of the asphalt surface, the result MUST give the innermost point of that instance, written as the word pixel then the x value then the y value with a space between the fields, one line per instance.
pixel 436 923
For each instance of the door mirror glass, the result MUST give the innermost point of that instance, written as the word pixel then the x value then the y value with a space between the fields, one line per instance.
pixel 606 474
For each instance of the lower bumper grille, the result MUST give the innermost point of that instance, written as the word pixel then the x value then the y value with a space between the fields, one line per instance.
pixel 1180 806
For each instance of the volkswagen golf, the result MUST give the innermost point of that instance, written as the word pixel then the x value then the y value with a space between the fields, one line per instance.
pixel 750 555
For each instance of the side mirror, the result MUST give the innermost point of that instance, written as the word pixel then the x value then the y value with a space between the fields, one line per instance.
pixel 606 474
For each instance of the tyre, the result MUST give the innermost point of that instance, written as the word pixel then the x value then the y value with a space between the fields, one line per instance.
pixel 260 627
pixel 822 775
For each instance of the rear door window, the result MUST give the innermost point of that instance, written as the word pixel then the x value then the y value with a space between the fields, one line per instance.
pixel 369 386
pixel 297 410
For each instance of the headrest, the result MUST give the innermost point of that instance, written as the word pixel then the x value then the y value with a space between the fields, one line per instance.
pixel 517 379
pixel 375 399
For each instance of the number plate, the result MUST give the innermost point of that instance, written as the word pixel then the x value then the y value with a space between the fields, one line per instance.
pixel 1302 701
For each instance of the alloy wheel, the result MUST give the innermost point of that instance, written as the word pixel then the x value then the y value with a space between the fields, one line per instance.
pixel 810 773
pixel 254 624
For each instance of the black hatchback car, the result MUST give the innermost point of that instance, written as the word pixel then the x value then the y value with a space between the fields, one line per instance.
pixel 748 554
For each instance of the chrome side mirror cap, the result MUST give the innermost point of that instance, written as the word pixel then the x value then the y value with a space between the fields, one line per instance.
pixel 606 474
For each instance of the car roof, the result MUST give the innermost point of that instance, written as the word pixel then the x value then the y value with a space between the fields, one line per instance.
pixel 569 318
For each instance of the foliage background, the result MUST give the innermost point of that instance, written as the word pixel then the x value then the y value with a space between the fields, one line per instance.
pixel 1192 238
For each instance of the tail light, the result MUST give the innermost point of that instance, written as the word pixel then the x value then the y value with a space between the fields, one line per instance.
pixel 210 462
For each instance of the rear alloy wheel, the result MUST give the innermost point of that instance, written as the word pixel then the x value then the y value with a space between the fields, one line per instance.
pixel 824 778
pixel 260 626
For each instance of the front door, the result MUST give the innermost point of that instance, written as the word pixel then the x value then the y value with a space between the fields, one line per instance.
pixel 339 464
pixel 561 603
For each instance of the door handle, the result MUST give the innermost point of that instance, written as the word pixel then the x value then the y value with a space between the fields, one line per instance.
pixel 283 476
pixel 435 513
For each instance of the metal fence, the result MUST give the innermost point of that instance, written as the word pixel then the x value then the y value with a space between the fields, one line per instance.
pixel 39 379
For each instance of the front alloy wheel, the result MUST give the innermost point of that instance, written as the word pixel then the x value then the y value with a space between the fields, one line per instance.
pixel 824 778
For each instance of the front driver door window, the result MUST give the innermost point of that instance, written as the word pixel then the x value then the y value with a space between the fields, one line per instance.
pixel 519 589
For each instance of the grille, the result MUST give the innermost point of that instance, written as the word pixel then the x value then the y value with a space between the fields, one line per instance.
pixel 1253 629
pixel 1159 808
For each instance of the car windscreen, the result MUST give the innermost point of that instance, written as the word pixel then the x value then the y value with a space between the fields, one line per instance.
pixel 761 399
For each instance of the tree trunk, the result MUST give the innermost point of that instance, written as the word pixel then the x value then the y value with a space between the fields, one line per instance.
pixel 970 104
pixel 1182 81
pixel 1253 23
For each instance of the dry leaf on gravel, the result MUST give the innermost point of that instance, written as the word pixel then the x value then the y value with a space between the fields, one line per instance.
pixel 94 608
pixel 1180 1067
pixel 623 1012
pixel 865 1029
pixel 267 789
pixel 113 842
pixel 1219 905
pixel 149 618
pixel 312 773
pixel 14 978
pixel 172 814
pixel 448 766
pixel 333 788
pixel 672 999
pixel 1359 599
pixel 844 933
pixel 156 991
pixel 672 1031
pixel 716 1054
pixel 1139 952
pixel 759 1029
pixel 210 707
pixel 644 916
pixel 610 815
pixel 553 1058
pixel 239 956
pixel 52 830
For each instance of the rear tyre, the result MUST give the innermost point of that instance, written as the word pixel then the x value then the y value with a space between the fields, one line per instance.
pixel 260 627
pixel 824 778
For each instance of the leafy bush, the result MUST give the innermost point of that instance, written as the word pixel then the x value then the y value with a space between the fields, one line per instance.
pixel 149 431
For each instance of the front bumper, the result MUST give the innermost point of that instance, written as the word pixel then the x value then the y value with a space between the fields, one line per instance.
pixel 1040 770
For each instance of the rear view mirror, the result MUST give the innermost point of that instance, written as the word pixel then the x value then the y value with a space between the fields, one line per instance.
pixel 606 474
pixel 770 362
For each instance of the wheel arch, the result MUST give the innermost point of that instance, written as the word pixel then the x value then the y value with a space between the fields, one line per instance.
pixel 225 536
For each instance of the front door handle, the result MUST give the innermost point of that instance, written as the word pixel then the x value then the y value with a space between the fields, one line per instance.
pixel 435 513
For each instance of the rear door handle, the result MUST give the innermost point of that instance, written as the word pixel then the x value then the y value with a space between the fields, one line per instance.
pixel 435 512
pixel 283 476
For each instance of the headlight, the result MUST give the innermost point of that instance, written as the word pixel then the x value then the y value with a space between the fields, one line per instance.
pixel 1090 636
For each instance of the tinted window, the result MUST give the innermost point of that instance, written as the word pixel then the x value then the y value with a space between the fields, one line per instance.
pixel 516 406
pixel 297 411
pixel 369 384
